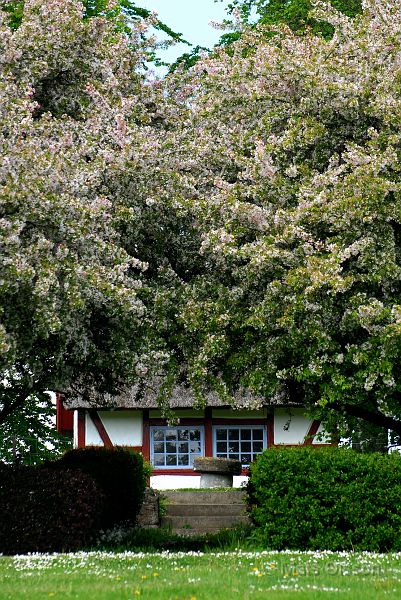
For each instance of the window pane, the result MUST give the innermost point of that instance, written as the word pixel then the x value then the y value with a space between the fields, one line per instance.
pixel 243 443
pixel 258 446
pixel 158 460
pixel 171 447
pixel 175 446
pixel 194 447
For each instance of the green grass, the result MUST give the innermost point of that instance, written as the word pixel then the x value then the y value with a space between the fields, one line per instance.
pixel 214 575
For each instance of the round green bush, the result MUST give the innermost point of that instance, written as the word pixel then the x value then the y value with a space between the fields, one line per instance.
pixel 326 498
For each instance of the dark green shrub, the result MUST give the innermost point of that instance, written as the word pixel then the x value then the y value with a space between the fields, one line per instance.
pixel 118 472
pixel 42 510
pixel 332 499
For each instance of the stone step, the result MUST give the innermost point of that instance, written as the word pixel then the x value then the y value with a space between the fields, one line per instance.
pixel 204 497
pixel 216 510
pixel 202 523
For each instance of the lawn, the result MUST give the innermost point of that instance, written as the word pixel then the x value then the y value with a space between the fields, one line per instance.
pixel 197 575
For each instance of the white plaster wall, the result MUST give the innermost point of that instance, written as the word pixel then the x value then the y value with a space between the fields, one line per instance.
pixel 123 426
pixel 174 482
pixel 227 413
pixel 290 426
pixel 180 413
pixel 75 438
pixel 177 482
pixel 92 438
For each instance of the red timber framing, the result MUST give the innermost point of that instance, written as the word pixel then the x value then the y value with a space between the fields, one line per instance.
pixel 104 436
pixel 145 434
pixel 308 440
pixel 81 441
pixel 100 428
pixel 208 422
pixel 64 417
pixel 310 436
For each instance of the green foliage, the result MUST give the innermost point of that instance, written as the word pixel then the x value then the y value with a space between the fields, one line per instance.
pixel 188 59
pixel 43 510
pixel 327 499
pixel 122 14
pixel 147 469
pixel 118 472
pixel 15 11
pixel 28 435
pixel 295 13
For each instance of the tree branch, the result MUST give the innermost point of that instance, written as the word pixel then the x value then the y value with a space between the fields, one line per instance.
pixel 368 415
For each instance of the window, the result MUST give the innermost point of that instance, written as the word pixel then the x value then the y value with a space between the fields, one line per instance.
pixel 242 442
pixel 175 447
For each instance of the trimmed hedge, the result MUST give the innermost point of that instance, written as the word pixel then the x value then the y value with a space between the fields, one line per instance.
pixel 331 499
pixel 42 510
pixel 118 472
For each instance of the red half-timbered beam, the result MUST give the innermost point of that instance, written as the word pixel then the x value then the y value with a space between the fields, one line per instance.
pixel 81 429
pixel 104 436
pixel 145 435
pixel 64 418
pixel 311 433
pixel 208 432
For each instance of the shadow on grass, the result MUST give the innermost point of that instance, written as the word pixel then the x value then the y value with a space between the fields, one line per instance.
pixel 137 539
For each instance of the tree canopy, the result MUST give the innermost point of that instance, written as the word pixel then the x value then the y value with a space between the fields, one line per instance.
pixel 71 299
pixel 295 13
pixel 294 146
pixel 236 226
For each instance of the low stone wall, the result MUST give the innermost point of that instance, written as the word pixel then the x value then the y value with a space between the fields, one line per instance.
pixel 149 514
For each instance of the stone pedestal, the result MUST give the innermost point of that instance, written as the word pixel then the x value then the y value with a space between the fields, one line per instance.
pixel 148 516
pixel 216 472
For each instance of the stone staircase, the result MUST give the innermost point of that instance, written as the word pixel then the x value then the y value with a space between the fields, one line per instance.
pixel 204 511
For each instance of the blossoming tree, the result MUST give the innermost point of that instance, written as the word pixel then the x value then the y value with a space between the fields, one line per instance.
pixel 72 308
pixel 292 148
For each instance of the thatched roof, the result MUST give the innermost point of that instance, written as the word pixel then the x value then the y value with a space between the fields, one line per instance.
pixel 147 395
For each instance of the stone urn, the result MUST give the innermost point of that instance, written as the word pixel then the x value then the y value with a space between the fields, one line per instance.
pixel 216 472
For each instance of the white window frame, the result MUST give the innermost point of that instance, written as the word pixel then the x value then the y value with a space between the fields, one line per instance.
pixel 153 428
pixel 240 427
